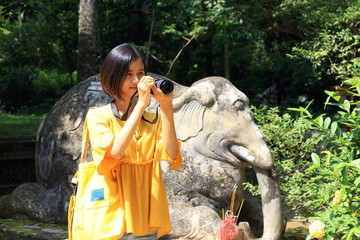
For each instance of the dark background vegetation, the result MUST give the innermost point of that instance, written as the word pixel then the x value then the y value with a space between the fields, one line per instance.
pixel 39 42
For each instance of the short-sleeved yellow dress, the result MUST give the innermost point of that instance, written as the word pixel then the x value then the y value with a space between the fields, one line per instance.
pixel 140 195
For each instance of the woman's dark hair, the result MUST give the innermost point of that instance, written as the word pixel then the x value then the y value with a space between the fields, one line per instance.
pixel 116 66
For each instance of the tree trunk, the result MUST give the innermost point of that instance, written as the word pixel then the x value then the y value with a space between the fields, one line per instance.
pixel 86 58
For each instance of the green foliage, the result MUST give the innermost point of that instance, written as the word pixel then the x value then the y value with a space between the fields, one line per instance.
pixel 52 83
pixel 15 86
pixel 338 167
pixel 292 38
pixel 333 48
pixel 16 9
pixel 319 173
pixel 34 36
pixel 314 44
pixel 19 124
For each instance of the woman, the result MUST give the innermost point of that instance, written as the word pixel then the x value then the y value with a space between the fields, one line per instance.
pixel 127 144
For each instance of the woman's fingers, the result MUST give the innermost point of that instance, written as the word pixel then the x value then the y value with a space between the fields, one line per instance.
pixel 146 83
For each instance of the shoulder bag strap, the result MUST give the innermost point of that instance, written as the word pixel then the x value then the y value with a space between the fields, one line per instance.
pixel 85 143
pixel 84 148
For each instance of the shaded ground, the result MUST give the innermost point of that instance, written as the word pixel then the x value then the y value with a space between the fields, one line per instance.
pixel 296 229
pixel 30 230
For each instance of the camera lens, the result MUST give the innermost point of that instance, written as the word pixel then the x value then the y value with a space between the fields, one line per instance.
pixel 164 85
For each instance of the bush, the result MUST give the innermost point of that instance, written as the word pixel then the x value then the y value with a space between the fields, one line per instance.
pixel 15 87
pixel 30 90
pixel 336 196
pixel 319 175
pixel 51 83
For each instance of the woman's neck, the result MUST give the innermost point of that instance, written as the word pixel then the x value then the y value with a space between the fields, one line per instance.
pixel 122 106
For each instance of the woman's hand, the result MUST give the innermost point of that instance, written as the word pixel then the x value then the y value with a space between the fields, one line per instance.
pixel 147 89
pixel 145 85
pixel 165 100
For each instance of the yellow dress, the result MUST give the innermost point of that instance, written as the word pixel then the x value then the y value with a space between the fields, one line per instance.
pixel 137 190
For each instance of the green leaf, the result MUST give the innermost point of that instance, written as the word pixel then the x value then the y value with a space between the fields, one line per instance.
pixel 356 162
pixel 333 95
pixel 326 142
pixel 327 122
pixel 316 159
pixel 357 231
pixel 354 165
pixel 321 121
pixel 295 109
pixel 357 181
pixel 339 133
pixel 350 234
pixel 346 106
pixel 327 100
pixel 344 174
pixel 330 93
pixel 334 126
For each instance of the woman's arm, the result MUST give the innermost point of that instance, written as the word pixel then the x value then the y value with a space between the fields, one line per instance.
pixel 168 129
pixel 168 126
pixel 122 140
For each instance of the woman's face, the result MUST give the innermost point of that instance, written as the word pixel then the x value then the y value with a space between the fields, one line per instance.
pixel 135 73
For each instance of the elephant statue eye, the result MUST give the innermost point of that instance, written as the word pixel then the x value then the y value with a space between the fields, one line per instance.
pixel 238 104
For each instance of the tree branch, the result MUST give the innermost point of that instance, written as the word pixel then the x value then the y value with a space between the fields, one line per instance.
pixel 181 50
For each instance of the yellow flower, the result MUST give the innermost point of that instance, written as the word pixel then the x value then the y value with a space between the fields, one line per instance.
pixel 316 229
pixel 337 197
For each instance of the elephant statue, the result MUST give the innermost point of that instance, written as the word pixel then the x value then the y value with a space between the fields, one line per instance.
pixel 219 138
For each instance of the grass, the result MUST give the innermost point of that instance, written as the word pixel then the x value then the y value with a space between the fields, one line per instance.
pixel 12 125
pixel 30 227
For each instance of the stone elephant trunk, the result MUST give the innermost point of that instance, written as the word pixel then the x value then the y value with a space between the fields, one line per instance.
pixel 256 153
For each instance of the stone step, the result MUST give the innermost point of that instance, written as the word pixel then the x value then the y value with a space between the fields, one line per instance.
pixel 27 140
pixel 12 148
pixel 17 162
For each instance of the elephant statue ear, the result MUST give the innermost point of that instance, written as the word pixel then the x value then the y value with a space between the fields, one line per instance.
pixel 189 109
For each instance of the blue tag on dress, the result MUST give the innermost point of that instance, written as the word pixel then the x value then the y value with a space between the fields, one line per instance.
pixel 97 195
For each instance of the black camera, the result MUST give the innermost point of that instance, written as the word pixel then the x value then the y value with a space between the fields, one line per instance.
pixel 164 85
